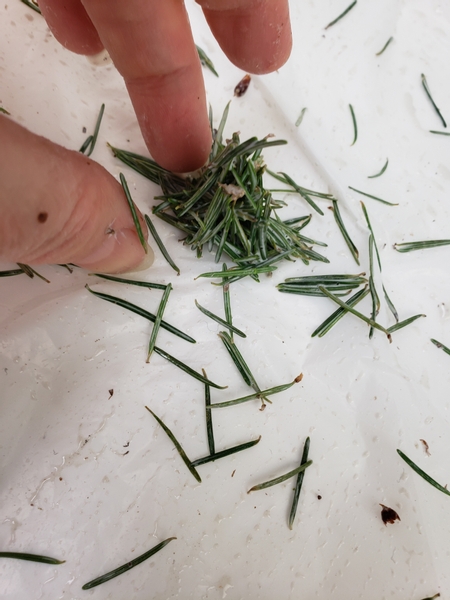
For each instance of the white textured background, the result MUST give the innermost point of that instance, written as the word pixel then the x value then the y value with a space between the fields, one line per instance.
pixel 66 487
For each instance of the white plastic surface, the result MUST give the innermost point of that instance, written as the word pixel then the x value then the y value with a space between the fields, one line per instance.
pixel 93 480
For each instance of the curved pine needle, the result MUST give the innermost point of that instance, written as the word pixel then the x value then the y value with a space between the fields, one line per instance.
pixel 158 319
pixel 217 455
pixel 160 244
pixel 404 323
pixel 428 93
pixel 127 566
pixel 299 484
pixel 384 47
pixel 146 284
pixel 300 118
pixel 350 309
pixel 411 246
pixel 219 320
pixel 132 206
pixel 187 369
pixel 206 61
pixel 441 346
pixel 381 172
pixel 32 557
pixel 177 445
pixel 373 197
pixel 141 312
pixel 342 14
pixel 281 478
pixel 340 223
pixel 355 125
pixel 419 471
pixel 262 394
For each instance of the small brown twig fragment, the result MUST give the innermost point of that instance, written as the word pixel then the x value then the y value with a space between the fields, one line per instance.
pixel 426 447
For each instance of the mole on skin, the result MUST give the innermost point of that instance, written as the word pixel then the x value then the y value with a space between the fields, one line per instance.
pixel 42 217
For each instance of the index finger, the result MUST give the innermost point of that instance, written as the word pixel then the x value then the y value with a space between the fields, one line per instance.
pixel 151 45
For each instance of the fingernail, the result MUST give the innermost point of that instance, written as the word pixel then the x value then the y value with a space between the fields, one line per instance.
pixel 120 252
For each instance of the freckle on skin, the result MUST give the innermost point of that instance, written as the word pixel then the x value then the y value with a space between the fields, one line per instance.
pixel 42 217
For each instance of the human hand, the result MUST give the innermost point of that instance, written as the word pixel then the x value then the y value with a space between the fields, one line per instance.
pixel 150 43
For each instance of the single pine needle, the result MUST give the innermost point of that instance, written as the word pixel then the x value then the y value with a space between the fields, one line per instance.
pixel 177 445
pixel 160 244
pixel 299 484
pixel 219 320
pixel 355 126
pixel 208 417
pixel 385 166
pixel 424 475
pixel 133 210
pixel 146 284
pixel 187 369
pixel 228 452
pixel 158 320
pixel 32 557
pixel 404 323
pixel 300 118
pixel 440 132
pixel 341 15
pixel 206 61
pixel 428 93
pixel 373 197
pixel 384 47
pixel 441 346
pixel 411 246
pixel 127 566
pixel 281 478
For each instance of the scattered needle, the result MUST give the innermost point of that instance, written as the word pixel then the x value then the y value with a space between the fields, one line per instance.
pixel 355 126
pixel 419 471
pixel 384 47
pixel 342 14
pixel 177 445
pixel 380 173
pixel 281 478
pixel 428 93
pixel 32 557
pixel 127 566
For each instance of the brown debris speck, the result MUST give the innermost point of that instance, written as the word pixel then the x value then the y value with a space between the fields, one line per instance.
pixel 242 86
pixel 388 515
pixel 426 447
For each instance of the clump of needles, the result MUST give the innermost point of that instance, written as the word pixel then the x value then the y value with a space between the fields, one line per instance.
pixel 226 207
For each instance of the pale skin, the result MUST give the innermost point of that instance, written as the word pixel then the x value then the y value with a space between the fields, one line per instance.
pixel 63 206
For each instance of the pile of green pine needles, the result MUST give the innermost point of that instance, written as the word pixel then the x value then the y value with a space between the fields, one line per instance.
pixel 226 207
